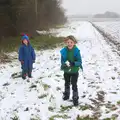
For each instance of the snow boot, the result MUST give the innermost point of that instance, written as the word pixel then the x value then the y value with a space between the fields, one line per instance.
pixel 75 102
pixel 75 98
pixel 29 73
pixel 65 96
pixel 23 77
pixel 24 74
pixel 30 76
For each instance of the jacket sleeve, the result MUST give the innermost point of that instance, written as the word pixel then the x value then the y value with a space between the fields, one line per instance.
pixel 62 60
pixel 78 62
pixel 20 53
pixel 33 53
pixel 63 65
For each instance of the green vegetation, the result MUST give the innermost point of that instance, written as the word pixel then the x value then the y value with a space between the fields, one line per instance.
pixel 118 102
pixel 46 87
pixel 85 118
pixel 15 117
pixel 59 116
pixel 42 96
pixel 84 107
pixel 35 118
pixel 40 42
pixel 64 108
pixel 50 108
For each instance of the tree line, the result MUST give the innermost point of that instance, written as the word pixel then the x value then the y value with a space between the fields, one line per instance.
pixel 27 16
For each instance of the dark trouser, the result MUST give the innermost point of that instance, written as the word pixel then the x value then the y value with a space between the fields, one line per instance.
pixel 71 78
pixel 25 73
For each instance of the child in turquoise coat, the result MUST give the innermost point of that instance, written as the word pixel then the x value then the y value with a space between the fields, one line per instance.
pixel 71 62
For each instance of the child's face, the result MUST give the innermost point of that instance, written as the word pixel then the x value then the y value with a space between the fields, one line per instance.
pixel 70 43
pixel 25 42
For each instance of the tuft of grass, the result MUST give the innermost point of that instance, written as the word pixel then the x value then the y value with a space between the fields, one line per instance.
pixel 33 86
pixel 111 107
pixel 84 107
pixel 59 116
pixel 16 75
pixel 35 118
pixel 50 108
pixel 64 108
pixel 46 87
pixel 107 119
pixel 113 118
pixel 110 118
pixel 85 118
pixel 15 117
pixel 42 96
pixel 118 102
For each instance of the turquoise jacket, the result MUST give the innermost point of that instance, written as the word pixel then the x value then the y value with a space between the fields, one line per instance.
pixel 77 57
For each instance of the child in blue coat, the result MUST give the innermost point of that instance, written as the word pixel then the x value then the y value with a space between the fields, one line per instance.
pixel 26 57
pixel 71 62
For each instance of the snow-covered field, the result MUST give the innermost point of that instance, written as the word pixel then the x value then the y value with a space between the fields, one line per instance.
pixel 41 98
pixel 112 28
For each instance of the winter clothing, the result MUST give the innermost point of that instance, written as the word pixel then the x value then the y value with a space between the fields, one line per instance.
pixel 74 57
pixel 26 57
pixel 71 72
pixel 71 78
pixel 24 74
pixel 25 37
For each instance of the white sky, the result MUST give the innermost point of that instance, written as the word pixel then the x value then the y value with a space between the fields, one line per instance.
pixel 90 6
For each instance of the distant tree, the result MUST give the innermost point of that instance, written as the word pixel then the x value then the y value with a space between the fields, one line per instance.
pixel 18 16
pixel 107 15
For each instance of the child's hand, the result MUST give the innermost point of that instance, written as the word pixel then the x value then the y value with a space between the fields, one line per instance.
pixel 72 63
pixel 22 62
pixel 67 63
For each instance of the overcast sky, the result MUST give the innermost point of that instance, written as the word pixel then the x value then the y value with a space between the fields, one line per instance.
pixel 90 6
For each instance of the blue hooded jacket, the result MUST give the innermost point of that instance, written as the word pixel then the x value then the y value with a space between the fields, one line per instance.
pixel 77 56
pixel 26 54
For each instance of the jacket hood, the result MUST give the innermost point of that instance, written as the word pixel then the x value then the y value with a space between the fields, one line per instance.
pixel 25 37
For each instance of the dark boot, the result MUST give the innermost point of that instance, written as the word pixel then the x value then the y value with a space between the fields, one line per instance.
pixel 75 102
pixel 23 78
pixel 74 88
pixel 24 74
pixel 29 73
pixel 30 76
pixel 65 96
pixel 75 98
